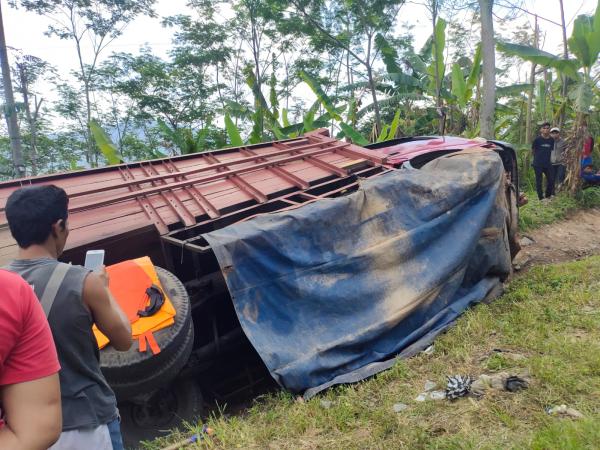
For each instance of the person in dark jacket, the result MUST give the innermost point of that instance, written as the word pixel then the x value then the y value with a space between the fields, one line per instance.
pixel 542 147
pixel 73 301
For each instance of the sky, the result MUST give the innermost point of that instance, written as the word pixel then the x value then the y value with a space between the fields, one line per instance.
pixel 25 30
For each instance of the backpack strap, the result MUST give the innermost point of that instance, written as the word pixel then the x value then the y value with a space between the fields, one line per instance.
pixel 51 289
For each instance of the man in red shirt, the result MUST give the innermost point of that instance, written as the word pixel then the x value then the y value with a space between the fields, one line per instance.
pixel 29 386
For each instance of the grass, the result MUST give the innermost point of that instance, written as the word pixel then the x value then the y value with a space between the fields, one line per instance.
pixel 551 316
pixel 535 213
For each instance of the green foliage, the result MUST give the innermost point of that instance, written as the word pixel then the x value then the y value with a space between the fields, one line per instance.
pixel 459 86
pixel 388 54
pixel 107 148
pixel 354 135
pixel 321 95
pixel 437 66
pixel 528 53
pixel 394 126
pixel 585 39
pixel 232 131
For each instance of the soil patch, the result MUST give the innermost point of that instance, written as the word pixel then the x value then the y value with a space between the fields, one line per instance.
pixel 574 238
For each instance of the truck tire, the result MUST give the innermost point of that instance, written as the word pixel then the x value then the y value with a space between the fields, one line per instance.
pixel 132 372
pixel 160 412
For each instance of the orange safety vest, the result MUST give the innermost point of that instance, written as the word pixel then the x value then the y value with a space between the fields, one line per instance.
pixel 128 283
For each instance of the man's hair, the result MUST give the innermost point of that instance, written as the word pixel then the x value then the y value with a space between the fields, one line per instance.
pixel 31 212
pixel 545 124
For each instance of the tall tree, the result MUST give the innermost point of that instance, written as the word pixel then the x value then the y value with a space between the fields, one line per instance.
pixel 10 111
pixel 351 26
pixel 488 97
pixel 92 25
pixel 29 69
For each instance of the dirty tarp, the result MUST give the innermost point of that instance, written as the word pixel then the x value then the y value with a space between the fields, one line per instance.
pixel 330 292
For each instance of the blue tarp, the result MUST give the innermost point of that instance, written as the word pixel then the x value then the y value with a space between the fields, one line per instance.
pixel 332 291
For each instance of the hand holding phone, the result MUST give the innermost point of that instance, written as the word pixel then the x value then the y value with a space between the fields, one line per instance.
pixel 94 259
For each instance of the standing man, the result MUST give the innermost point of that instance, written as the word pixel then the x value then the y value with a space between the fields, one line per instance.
pixel 558 157
pixel 542 150
pixel 30 417
pixel 38 220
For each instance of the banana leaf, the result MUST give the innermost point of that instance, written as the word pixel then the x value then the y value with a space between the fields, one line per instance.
pixel 513 89
pixel 567 66
pixel 459 86
pixel 388 54
pixel 384 133
pixel 107 148
pixel 321 95
pixel 395 125
pixel 475 71
pixel 394 100
pixel 354 135
pixel 284 117
pixel 232 131
pixel 437 52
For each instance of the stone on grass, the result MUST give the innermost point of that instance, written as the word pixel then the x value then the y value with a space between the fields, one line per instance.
pixel 399 407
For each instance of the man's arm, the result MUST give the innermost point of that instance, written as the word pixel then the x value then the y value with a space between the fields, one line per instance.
pixel 107 314
pixel 33 414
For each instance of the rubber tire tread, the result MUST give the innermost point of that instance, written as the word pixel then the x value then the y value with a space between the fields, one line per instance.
pixel 122 368
pixel 159 376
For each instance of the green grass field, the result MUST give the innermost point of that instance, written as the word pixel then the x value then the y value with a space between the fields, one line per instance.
pixel 551 315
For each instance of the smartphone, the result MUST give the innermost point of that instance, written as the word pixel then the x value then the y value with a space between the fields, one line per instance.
pixel 94 259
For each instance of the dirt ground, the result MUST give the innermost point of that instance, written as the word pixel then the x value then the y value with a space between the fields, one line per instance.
pixel 571 239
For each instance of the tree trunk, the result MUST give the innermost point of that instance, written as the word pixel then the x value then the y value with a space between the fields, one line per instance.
pixel 374 95
pixel 437 75
pixel 528 119
pixel 9 109
pixel 573 154
pixel 488 101
pixel 31 121
pixel 372 86
pixel 565 79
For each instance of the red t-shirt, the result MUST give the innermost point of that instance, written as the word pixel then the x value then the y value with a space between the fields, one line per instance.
pixel 27 350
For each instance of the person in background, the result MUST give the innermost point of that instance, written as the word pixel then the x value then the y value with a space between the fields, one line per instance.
pixel 587 172
pixel 38 220
pixel 558 157
pixel 30 414
pixel 542 149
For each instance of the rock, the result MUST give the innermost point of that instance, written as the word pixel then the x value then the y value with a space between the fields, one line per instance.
pixel 429 350
pixel 521 259
pixel 563 410
pixel 326 404
pixel 508 354
pixel 399 407
pixel 433 395
pixel 422 397
pixel 526 241
pixel 437 395
pixel 429 386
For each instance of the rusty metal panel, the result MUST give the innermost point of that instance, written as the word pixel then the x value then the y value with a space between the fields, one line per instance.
pixel 178 192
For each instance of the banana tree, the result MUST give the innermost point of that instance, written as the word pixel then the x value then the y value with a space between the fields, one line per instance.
pixel 584 44
pixel 333 111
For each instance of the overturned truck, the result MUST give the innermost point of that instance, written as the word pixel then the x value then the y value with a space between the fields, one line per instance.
pixel 313 260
